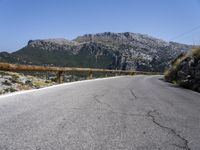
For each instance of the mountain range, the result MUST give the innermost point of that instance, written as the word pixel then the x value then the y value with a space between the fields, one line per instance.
pixel 103 50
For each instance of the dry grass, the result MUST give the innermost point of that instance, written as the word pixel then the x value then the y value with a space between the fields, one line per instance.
pixel 194 52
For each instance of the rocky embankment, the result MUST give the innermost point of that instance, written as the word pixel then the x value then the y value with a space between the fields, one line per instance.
pixel 11 82
pixel 185 70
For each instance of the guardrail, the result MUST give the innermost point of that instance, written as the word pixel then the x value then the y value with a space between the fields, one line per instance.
pixel 60 70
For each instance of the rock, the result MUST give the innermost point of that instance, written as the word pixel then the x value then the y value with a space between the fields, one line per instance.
pixel 11 82
pixel 186 70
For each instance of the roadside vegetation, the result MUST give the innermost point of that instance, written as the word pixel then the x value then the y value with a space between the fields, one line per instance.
pixel 185 70
pixel 11 82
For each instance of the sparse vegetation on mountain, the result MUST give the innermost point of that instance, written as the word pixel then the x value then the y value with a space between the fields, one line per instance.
pixel 103 50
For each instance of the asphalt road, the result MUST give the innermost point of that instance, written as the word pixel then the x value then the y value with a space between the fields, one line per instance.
pixel 124 113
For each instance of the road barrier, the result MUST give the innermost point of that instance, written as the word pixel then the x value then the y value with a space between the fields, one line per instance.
pixel 60 70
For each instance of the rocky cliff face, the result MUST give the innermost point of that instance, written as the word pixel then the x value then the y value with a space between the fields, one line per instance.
pixel 103 50
pixel 185 70
pixel 138 51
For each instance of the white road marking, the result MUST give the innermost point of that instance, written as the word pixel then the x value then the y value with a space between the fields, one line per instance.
pixel 54 86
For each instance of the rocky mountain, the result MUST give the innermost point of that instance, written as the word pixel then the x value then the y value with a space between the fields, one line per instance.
pixel 103 50
pixel 185 70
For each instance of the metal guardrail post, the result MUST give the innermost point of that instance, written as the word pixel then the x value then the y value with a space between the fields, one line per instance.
pixel 106 75
pixel 90 75
pixel 59 77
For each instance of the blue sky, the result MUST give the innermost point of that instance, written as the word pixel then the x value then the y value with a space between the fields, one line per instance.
pixel 22 20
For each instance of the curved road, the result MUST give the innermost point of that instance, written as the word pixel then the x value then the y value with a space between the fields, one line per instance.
pixel 122 113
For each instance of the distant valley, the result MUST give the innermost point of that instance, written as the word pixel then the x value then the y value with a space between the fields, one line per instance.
pixel 103 50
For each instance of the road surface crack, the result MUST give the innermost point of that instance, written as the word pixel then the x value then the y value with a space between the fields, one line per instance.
pixel 102 103
pixel 133 93
pixel 110 108
pixel 128 114
pixel 151 114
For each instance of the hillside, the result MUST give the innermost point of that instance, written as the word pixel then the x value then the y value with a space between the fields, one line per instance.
pixel 102 50
pixel 185 70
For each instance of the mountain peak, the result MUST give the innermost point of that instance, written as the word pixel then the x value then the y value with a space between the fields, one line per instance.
pixel 58 41
pixel 121 38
